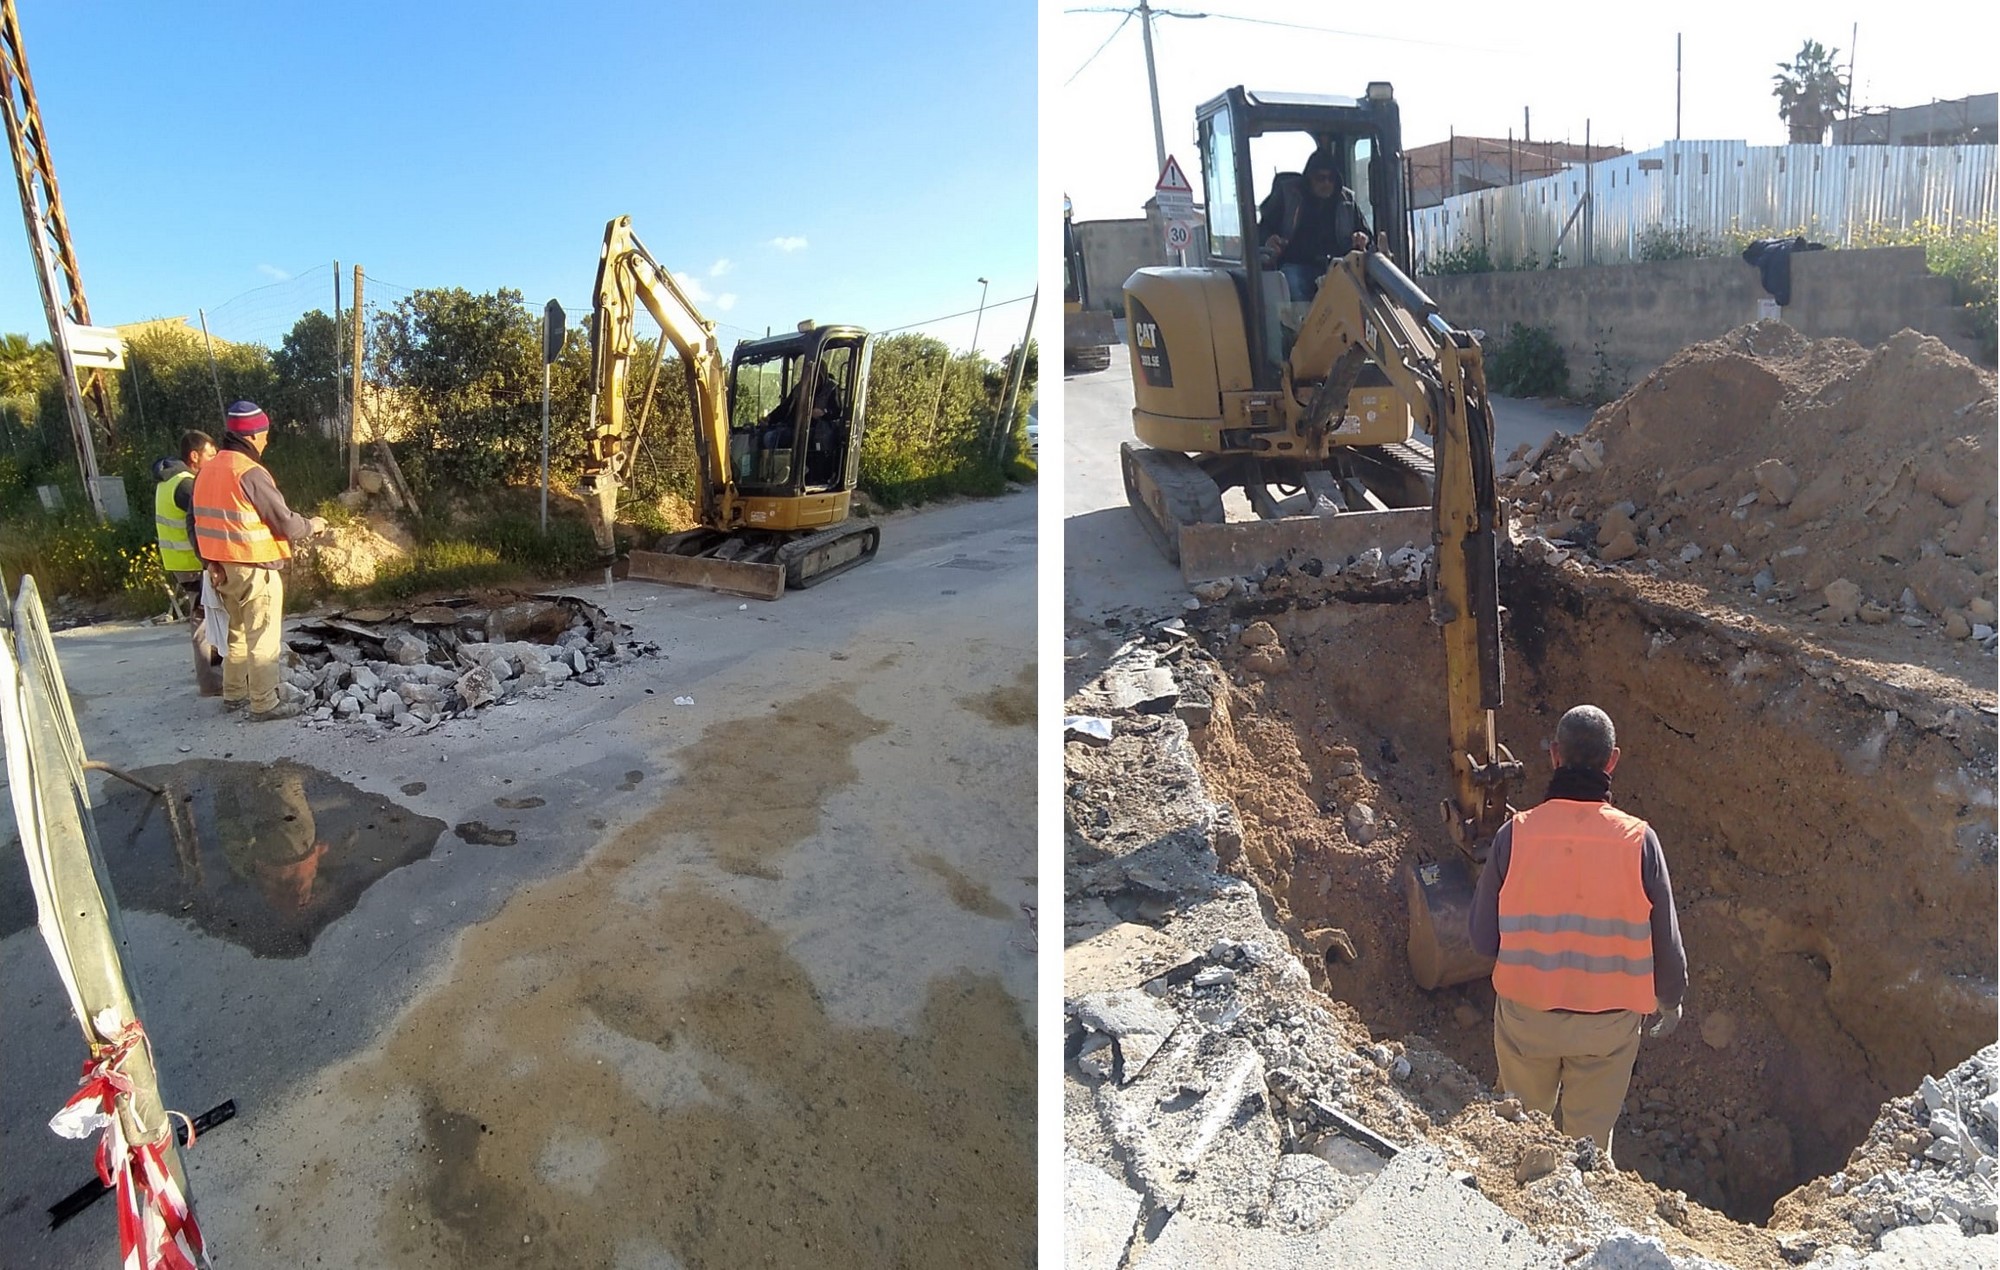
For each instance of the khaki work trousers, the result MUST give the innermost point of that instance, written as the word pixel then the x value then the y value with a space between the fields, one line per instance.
pixel 254 598
pixel 1583 1060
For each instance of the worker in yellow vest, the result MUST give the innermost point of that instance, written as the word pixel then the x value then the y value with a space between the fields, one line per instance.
pixel 1577 908
pixel 173 520
pixel 244 532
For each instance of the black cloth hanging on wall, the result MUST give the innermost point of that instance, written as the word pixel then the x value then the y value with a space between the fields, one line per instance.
pixel 1772 258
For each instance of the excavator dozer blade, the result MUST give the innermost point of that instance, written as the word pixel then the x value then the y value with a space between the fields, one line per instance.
pixel 1247 547
pixel 1440 895
pixel 737 577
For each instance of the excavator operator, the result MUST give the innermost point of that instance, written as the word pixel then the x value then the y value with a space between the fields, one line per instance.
pixel 1307 219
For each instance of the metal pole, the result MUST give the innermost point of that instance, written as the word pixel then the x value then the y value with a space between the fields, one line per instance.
pixel 937 408
pixel 1853 38
pixel 214 375
pixel 1677 86
pixel 137 400
pixel 1589 210
pixel 339 406
pixel 1015 378
pixel 1153 87
pixel 354 395
pixel 79 422
pixel 1527 133
pixel 546 367
pixel 981 318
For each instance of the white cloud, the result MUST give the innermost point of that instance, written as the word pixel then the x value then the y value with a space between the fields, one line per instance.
pixel 721 267
pixel 789 243
pixel 726 301
pixel 692 287
pixel 276 274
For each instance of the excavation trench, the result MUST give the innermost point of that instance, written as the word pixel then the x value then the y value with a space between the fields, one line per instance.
pixel 1830 835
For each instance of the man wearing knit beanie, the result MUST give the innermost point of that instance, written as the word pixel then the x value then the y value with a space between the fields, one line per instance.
pixel 244 534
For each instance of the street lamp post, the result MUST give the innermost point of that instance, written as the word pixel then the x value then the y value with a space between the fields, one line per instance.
pixel 981 318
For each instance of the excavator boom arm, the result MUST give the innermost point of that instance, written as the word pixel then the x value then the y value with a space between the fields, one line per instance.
pixel 1369 309
pixel 628 277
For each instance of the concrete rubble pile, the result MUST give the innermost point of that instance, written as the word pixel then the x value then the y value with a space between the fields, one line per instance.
pixel 1930 1159
pixel 1371 574
pixel 1221 1111
pixel 407 670
pixel 1217 1110
pixel 1851 485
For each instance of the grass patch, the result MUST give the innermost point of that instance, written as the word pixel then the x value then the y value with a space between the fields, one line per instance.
pixel 73 555
pixel 496 551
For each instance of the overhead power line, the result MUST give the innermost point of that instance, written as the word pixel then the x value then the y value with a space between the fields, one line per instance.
pixel 1294 26
pixel 990 306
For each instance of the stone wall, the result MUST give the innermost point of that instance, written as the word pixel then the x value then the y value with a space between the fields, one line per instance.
pixel 1645 313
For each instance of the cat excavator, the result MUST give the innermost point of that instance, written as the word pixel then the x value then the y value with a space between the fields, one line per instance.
pixel 777 437
pixel 1236 384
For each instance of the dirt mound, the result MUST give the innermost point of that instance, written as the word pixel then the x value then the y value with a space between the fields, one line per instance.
pixel 1853 483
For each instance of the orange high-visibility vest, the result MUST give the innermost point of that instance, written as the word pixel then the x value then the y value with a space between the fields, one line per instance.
pixel 226 526
pixel 1575 924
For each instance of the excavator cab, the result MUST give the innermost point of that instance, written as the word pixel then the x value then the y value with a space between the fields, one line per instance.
pixel 795 412
pixel 1220 404
pixel 1255 148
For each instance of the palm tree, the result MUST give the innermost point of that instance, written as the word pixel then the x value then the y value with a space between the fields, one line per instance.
pixel 1810 91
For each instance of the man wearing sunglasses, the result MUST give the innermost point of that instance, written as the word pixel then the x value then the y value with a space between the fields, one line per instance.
pixel 1306 221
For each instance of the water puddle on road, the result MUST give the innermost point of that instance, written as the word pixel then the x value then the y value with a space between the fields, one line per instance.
pixel 264 855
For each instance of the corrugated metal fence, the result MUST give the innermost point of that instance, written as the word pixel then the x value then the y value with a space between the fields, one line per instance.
pixel 1711 189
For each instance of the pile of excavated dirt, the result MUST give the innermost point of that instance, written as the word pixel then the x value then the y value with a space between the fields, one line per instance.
pixel 1815 477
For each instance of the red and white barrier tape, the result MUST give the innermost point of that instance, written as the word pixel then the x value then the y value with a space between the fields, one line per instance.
pixel 156 1227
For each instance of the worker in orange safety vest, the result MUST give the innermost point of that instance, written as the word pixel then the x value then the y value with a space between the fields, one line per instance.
pixel 244 533
pixel 1576 905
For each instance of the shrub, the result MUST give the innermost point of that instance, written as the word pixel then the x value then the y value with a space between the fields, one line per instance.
pixel 1473 258
pixel 1679 242
pixel 1527 361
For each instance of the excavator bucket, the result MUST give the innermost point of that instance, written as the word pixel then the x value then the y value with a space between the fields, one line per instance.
pixel 1440 896
pixel 1246 547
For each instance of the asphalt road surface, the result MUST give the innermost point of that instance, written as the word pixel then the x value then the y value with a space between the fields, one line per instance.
pixel 751 986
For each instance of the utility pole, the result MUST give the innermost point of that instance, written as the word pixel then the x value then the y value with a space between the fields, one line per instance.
pixel 354 396
pixel 1153 87
pixel 1853 37
pixel 1014 380
pixel 339 413
pixel 48 235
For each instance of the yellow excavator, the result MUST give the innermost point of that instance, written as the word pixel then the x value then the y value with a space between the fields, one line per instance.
pixel 1236 384
pixel 777 437
pixel 1087 331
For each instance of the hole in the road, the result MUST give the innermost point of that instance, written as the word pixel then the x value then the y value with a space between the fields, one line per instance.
pixel 262 855
pixel 1833 866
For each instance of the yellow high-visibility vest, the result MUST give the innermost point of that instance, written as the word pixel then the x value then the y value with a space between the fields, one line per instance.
pixel 177 553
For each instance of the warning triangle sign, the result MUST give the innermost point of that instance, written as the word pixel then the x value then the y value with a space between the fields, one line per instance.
pixel 1171 179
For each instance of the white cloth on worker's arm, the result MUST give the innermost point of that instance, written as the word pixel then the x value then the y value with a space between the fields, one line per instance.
pixel 215 622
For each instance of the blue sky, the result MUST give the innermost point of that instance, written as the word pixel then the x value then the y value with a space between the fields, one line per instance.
pixel 855 163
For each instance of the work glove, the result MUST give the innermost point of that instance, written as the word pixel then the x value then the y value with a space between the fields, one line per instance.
pixel 1669 1019
pixel 315 526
